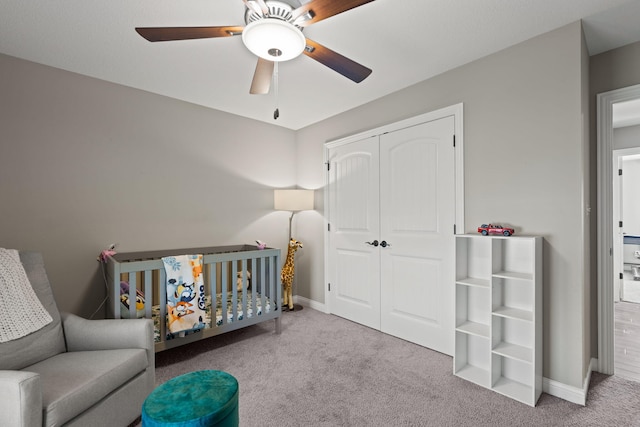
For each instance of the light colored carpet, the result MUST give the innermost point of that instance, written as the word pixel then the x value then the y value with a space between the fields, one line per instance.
pixel 326 371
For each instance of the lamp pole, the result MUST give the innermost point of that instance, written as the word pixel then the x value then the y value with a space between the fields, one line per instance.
pixel 290 219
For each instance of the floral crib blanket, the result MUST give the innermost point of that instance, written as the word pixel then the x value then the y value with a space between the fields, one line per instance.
pixel 218 312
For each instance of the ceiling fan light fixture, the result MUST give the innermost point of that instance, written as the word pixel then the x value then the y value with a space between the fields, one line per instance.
pixel 274 39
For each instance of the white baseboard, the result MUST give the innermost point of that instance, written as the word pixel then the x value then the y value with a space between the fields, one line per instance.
pixel 306 302
pixel 570 393
pixel 563 391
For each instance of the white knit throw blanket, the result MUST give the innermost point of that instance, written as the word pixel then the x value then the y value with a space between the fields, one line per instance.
pixel 21 312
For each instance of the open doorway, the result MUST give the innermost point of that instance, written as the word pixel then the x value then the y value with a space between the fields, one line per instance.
pixel 613 344
pixel 626 214
pixel 626 251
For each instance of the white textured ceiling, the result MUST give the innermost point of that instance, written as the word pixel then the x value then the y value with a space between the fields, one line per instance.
pixel 403 41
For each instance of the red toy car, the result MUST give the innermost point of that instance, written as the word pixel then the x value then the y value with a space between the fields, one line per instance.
pixel 495 229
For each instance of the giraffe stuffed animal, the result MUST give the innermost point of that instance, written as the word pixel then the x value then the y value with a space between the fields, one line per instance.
pixel 288 270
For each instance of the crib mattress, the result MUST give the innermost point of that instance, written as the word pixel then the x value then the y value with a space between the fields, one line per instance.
pixel 218 314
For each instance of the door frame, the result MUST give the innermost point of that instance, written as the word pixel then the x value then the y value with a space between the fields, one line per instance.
pixel 604 113
pixel 454 110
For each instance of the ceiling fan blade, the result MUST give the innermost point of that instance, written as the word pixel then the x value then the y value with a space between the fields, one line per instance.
pixel 262 77
pixel 162 34
pixel 341 64
pixel 257 6
pixel 323 9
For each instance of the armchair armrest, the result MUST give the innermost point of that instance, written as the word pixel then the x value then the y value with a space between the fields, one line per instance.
pixel 108 334
pixel 20 398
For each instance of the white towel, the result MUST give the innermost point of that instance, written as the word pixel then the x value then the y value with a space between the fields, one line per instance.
pixel 21 312
pixel 185 293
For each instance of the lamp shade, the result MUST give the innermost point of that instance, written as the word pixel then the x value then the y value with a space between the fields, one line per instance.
pixel 292 200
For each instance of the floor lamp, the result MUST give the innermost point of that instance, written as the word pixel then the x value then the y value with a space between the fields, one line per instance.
pixel 293 201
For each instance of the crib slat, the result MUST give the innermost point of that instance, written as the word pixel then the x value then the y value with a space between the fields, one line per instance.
pixel 133 313
pixel 234 291
pixel 148 293
pixel 261 274
pixel 273 280
pixel 113 286
pixel 163 305
pixel 223 293
pixel 213 291
pixel 252 262
pixel 243 286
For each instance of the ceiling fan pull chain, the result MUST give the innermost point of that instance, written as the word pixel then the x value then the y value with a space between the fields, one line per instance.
pixel 276 113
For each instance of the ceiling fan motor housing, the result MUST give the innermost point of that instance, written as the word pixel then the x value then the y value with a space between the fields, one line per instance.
pixel 277 9
pixel 273 36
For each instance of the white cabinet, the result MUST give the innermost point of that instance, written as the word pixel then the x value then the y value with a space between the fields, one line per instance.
pixel 498 342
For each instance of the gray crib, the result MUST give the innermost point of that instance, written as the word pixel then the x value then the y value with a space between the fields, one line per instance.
pixel 242 288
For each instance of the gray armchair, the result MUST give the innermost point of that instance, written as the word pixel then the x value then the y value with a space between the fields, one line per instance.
pixel 75 372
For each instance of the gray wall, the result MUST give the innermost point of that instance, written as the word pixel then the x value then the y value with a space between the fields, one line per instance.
pixel 85 163
pixel 525 139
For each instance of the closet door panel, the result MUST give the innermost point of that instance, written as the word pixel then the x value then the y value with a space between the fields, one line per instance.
pixel 354 275
pixel 417 207
pixel 411 302
pixel 352 285
pixel 411 206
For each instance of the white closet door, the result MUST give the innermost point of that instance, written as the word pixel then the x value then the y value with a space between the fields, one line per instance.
pixel 354 272
pixel 417 213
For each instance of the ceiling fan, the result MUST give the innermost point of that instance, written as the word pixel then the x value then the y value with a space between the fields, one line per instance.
pixel 273 32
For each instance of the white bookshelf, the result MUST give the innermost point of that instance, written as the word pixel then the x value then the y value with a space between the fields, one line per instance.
pixel 498 343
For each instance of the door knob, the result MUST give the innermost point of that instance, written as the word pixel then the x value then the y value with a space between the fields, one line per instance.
pixel 384 244
pixel 374 243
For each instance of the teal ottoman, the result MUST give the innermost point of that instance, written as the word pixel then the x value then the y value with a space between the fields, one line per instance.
pixel 201 398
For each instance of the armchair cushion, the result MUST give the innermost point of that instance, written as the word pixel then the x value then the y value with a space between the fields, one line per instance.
pixel 75 381
pixel 22 397
pixel 45 342
pixel 108 334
